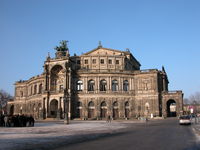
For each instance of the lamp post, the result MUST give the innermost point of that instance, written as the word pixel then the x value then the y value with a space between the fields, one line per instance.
pixel 66 102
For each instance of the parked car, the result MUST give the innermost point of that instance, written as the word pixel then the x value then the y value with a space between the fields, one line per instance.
pixel 185 120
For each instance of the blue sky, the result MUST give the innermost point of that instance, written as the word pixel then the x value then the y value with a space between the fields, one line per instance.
pixel 158 32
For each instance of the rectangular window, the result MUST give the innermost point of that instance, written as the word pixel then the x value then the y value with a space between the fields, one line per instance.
pixel 110 61
pixel 86 61
pixel 102 61
pixel 117 61
pixel 94 61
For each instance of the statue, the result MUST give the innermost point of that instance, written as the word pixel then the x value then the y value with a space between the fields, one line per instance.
pixel 63 46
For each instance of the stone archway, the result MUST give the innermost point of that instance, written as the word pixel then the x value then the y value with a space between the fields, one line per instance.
pixel 127 110
pixel 11 110
pixel 79 110
pixel 103 110
pixel 53 108
pixel 91 110
pixel 115 110
pixel 171 108
pixel 39 111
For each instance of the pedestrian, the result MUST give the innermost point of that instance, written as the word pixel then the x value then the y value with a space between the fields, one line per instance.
pixel 6 121
pixel 109 119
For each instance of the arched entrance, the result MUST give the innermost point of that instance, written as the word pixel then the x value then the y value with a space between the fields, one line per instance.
pixel 53 108
pixel 39 111
pixel 91 110
pixel 171 108
pixel 115 110
pixel 127 110
pixel 103 110
pixel 12 110
pixel 79 110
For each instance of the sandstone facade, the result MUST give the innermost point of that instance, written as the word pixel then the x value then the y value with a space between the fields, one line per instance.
pixel 100 83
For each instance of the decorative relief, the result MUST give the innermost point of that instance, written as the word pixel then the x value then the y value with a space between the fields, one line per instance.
pixel 145 84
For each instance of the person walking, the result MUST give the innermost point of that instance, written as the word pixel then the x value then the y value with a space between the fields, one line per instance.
pixel 6 121
pixel 109 119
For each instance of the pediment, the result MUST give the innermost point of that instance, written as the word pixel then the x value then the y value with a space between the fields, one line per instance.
pixel 103 51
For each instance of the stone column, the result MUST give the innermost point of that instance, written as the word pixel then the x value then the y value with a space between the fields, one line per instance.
pixel 110 84
pixel 47 108
pixel 69 91
pixel 44 110
pixel 62 107
pixel 96 85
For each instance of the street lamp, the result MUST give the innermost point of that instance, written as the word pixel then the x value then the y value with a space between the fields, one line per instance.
pixel 66 102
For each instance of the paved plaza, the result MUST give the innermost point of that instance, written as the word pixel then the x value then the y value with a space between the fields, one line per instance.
pixel 55 134
pixel 46 135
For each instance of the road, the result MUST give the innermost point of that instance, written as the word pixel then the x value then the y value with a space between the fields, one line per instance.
pixel 155 135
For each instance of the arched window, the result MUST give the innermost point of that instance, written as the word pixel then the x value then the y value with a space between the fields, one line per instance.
pixel 91 85
pixel 114 85
pixel 115 104
pixel 79 104
pixel 79 85
pixel 31 90
pixel 126 104
pixel 40 89
pixel 103 104
pixel 91 104
pixel 35 89
pixel 125 85
pixel 21 94
pixel 103 84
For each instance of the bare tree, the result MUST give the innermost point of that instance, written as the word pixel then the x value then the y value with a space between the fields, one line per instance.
pixel 186 101
pixel 4 98
pixel 195 98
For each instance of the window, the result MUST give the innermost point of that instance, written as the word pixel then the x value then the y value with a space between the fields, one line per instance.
pixel 117 61
pixel 125 85
pixel 79 104
pixel 35 89
pixel 114 85
pixel 115 104
pixel 91 104
pixel 31 90
pixel 110 61
pixel 21 94
pixel 103 84
pixel 86 61
pixel 78 62
pixel 91 85
pixel 40 89
pixel 79 85
pixel 102 61
pixel 126 104
pixel 94 61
